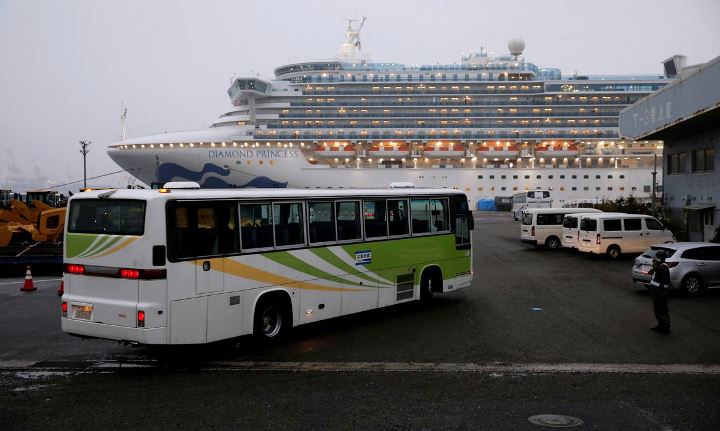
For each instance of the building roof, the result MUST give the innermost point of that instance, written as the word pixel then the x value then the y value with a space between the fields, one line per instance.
pixel 692 100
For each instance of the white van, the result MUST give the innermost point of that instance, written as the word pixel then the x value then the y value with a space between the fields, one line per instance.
pixel 543 226
pixel 613 234
pixel 531 199
pixel 570 230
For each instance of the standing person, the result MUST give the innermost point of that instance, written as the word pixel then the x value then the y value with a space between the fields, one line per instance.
pixel 659 292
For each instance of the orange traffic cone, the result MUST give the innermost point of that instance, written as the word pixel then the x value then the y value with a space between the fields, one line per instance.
pixel 61 289
pixel 28 286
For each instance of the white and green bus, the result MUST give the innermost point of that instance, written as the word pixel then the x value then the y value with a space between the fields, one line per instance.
pixel 191 266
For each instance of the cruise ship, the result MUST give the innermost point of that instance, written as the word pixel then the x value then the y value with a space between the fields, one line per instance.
pixel 492 126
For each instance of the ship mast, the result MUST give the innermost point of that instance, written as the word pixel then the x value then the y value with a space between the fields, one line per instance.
pixel 123 122
pixel 352 46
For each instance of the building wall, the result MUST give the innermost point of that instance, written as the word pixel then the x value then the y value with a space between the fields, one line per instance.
pixel 693 189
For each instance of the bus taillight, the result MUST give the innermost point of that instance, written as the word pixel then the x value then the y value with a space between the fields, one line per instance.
pixel 63 307
pixel 141 319
pixel 75 269
pixel 597 241
pixel 129 273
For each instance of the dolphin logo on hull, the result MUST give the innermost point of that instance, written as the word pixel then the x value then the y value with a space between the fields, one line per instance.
pixel 169 171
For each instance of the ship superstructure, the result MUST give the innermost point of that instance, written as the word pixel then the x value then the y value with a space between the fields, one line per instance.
pixel 489 125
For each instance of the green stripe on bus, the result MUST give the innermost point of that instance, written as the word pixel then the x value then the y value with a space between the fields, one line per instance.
pixel 330 257
pixel 292 262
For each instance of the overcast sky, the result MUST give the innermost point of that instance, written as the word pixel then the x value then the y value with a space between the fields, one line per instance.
pixel 67 66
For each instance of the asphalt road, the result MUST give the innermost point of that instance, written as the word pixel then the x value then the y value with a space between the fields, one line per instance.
pixel 539 332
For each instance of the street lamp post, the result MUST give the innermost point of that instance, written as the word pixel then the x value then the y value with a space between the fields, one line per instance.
pixel 84 150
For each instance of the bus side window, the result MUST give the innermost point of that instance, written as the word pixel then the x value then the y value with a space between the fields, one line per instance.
pixel 255 228
pixel 398 216
pixel 348 220
pixel 375 213
pixel 420 210
pixel 288 224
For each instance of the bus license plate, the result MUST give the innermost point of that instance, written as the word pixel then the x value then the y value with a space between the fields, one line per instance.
pixel 82 311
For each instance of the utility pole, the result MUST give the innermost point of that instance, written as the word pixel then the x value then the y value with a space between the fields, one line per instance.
pixel 84 151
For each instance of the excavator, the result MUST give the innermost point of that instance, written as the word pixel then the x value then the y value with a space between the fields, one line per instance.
pixel 39 218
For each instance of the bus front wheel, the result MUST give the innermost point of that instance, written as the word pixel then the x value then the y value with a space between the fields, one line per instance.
pixel 271 320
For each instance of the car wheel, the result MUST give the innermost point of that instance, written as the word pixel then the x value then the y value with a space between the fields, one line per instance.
pixel 552 243
pixel 613 252
pixel 693 284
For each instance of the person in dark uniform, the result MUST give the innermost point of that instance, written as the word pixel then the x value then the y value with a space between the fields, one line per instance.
pixel 659 292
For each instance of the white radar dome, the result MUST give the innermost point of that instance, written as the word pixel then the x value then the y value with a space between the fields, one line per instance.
pixel 516 46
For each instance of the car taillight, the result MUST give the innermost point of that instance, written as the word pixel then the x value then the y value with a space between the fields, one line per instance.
pixel 63 307
pixel 141 319
pixel 597 240
pixel 75 269
pixel 129 273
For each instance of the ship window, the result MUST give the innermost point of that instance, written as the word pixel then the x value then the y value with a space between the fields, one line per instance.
pixel 515 177
pixel 586 188
pixel 562 177
pixel 622 176
pixel 597 177
pixel 480 177
pixel 503 177
pixel 527 177
pixel 492 177
pixel 597 189
pixel 574 177
pixel 538 177
pixel 550 177
pixel 586 176
pixel 609 177
pixel 574 188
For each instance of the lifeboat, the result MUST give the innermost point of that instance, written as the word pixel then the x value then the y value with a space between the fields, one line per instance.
pixel 506 150
pixel 548 149
pixel 340 149
pixel 443 150
pixel 389 149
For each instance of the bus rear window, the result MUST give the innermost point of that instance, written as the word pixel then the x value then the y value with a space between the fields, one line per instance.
pixel 107 216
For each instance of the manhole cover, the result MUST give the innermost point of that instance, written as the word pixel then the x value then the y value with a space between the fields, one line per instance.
pixel 555 421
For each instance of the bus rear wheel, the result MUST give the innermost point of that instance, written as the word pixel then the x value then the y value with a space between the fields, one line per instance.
pixel 271 320
pixel 430 282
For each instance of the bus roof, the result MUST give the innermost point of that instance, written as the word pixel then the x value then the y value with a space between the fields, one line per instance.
pixel 147 194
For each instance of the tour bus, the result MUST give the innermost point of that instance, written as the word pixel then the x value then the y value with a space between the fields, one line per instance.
pixel 191 266
pixel 543 227
pixel 531 199
pixel 613 234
